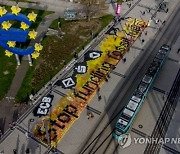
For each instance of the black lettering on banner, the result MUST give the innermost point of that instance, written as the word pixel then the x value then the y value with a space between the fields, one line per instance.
pixel 120 48
pixel 72 110
pixel 97 75
pixel 89 91
pixel 63 117
pixel 116 55
pixel 55 122
pixel 95 79
pixel 83 93
pixel 81 97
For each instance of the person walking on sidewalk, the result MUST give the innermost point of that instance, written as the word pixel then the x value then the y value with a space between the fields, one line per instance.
pixel 124 59
pixel 142 40
pixel 178 50
pixel 0 134
pixel 90 115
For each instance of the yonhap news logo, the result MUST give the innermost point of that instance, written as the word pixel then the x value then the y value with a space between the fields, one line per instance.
pixel 126 140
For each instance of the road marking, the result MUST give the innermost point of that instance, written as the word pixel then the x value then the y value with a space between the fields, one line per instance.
pixel 159 90
pixel 118 74
pixel 58 92
pixel 170 149
pixel 93 110
pixel 134 47
pixel 140 133
pixel 174 60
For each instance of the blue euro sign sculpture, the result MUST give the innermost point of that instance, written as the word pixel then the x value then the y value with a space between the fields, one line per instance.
pixel 15 34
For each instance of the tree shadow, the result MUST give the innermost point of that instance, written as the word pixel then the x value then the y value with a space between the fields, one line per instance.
pixel 17 143
pixel 15 115
pixel 2 124
pixel 22 149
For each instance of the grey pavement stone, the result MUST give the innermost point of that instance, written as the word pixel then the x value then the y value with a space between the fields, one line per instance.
pixel 165 80
pixel 18 140
pixel 149 113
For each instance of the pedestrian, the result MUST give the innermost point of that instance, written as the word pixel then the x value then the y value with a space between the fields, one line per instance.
pixel 99 97
pixel 124 59
pixel 145 32
pixel 163 97
pixel 98 89
pixel 0 134
pixel 27 150
pixel 167 10
pixel 27 135
pixel 89 116
pixel 143 13
pixel 92 115
pixel 164 22
pixel 76 55
pixel 106 79
pixel 142 40
pixel 64 63
pixel 178 50
pixel 10 126
pixel 157 20
pixel 14 151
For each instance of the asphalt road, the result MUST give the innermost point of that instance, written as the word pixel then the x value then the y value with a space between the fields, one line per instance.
pixel 167 35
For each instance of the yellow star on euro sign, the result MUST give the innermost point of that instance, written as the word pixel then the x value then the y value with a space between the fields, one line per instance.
pixel 32 34
pixel 35 55
pixel 24 26
pixel 11 44
pixel 32 16
pixel 15 9
pixel 9 54
pixel 2 11
pixel 38 47
pixel 6 25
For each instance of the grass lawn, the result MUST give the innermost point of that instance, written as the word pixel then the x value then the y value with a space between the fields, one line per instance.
pixel 57 50
pixel 7 71
pixel 8 65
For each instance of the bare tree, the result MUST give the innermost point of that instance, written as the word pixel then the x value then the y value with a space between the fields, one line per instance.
pixel 92 7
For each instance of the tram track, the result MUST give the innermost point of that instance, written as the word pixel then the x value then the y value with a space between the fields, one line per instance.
pixel 165 117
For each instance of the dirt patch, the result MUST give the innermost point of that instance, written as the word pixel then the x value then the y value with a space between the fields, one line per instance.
pixel 6 72
pixel 93 25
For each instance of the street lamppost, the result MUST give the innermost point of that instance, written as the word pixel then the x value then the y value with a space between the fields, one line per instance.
pixel 17 1
pixel 46 130
pixel 50 86
pixel 29 123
